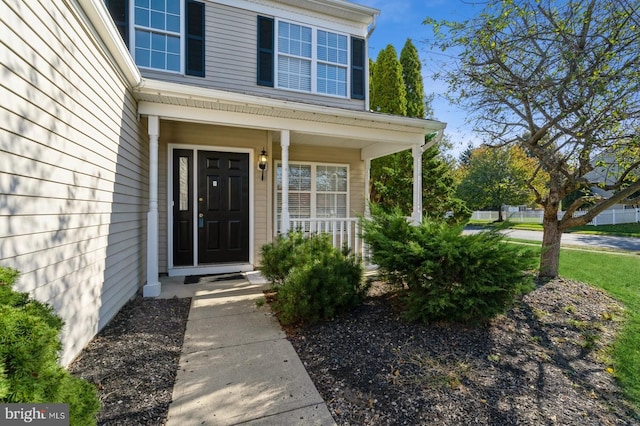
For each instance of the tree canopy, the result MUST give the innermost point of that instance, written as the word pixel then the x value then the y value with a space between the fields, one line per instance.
pixel 560 78
pixel 494 177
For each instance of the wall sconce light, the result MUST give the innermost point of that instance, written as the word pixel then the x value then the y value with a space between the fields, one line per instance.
pixel 262 162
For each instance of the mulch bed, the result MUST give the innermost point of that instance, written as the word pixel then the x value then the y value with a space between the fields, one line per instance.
pixel 544 363
pixel 133 361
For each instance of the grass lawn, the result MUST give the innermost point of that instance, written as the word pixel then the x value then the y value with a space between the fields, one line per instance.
pixel 618 276
pixel 624 229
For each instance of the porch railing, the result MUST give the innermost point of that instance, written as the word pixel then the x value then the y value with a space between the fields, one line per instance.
pixel 343 231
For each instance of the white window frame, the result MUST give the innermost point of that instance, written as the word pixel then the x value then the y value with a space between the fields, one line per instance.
pixel 313 192
pixel 314 58
pixel 327 62
pixel 132 37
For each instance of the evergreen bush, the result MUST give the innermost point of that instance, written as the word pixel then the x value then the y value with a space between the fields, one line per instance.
pixel 447 275
pixel 320 281
pixel 29 369
pixel 283 254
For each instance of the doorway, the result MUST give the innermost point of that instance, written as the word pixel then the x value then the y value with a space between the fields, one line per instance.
pixel 210 207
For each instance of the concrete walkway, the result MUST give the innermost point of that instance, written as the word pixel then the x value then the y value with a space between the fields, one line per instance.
pixel 237 367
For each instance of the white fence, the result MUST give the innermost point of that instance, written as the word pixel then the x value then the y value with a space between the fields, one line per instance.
pixel 607 217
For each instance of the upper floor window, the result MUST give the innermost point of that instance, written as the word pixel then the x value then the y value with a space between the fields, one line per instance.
pixel 312 60
pixel 158 34
pixel 166 35
pixel 332 63
pixel 299 57
pixel 294 56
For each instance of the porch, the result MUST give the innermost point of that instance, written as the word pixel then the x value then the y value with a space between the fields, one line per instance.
pixel 315 176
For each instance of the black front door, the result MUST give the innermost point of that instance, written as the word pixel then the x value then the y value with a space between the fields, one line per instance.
pixel 221 213
pixel 223 207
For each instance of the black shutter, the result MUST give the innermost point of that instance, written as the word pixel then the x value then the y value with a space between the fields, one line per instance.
pixel 357 68
pixel 119 10
pixel 195 38
pixel 265 51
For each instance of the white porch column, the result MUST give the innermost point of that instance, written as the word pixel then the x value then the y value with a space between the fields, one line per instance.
pixel 284 143
pixel 417 184
pixel 367 189
pixel 152 287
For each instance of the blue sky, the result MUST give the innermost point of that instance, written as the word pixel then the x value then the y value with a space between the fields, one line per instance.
pixel 402 19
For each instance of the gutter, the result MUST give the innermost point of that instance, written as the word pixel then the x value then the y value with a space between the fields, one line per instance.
pixel 372 26
pixel 169 89
pixel 436 140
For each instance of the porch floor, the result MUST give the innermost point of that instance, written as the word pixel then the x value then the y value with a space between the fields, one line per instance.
pixel 236 364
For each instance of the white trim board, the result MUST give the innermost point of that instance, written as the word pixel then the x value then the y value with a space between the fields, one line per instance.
pixel 177 271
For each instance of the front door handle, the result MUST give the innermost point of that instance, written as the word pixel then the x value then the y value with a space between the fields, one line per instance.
pixel 200 220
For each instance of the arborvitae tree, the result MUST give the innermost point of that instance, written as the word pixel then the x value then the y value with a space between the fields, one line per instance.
pixel 392 175
pixel 372 89
pixel 390 183
pixel 412 77
pixel 439 189
pixel 389 93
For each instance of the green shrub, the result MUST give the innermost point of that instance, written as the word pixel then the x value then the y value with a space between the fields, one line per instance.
pixel 280 256
pixel 448 276
pixel 29 369
pixel 388 236
pixel 319 280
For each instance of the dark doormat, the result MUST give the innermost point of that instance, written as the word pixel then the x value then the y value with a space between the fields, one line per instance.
pixel 197 279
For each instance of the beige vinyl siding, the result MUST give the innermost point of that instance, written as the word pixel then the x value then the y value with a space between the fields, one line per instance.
pixel 231 60
pixel 73 175
pixel 214 138
pixel 333 155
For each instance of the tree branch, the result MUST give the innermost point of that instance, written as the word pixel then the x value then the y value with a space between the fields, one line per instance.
pixel 621 197
pixel 623 177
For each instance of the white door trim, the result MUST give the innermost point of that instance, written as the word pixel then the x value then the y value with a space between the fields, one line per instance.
pixel 206 269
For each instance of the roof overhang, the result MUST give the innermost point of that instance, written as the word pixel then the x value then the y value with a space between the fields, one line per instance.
pixel 337 8
pixel 99 16
pixel 374 134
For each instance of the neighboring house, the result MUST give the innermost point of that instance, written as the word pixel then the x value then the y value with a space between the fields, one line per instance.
pixel 607 171
pixel 131 135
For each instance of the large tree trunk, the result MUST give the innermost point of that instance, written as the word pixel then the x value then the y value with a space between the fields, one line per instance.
pixel 551 236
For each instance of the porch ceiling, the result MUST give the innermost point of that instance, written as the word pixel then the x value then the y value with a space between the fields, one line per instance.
pixel 373 133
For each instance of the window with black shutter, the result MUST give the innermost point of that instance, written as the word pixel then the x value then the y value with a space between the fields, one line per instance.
pixel 195 39
pixel 119 10
pixel 265 51
pixel 357 68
